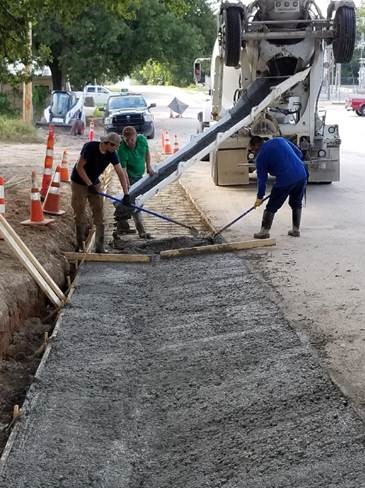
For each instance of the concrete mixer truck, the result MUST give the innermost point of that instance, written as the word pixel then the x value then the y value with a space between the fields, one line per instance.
pixel 274 40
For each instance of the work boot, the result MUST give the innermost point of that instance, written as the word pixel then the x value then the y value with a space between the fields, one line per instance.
pixel 266 224
pixel 138 222
pixel 296 217
pixel 99 239
pixel 80 237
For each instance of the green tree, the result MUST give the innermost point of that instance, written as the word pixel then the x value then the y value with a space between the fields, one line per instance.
pixel 104 44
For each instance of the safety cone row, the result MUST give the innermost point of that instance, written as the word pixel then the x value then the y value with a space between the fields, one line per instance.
pixel 53 199
pixel 65 177
pixel 36 212
pixel 91 130
pixel 48 163
pixel 176 145
pixel 2 200
pixel 167 144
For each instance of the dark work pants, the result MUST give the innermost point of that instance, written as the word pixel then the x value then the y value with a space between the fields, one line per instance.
pixel 279 194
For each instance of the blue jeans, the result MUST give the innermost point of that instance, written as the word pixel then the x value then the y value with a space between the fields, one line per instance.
pixel 279 194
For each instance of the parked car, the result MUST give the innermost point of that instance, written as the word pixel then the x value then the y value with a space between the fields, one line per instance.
pixel 129 109
pixel 357 104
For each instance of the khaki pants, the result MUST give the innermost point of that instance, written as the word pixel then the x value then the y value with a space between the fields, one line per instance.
pixel 80 197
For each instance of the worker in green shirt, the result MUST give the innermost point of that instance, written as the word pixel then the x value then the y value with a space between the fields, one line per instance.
pixel 135 157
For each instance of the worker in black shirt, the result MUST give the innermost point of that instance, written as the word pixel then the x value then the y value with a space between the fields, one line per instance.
pixel 85 185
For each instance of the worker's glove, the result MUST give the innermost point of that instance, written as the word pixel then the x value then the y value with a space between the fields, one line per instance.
pixel 92 189
pixel 258 202
pixel 126 200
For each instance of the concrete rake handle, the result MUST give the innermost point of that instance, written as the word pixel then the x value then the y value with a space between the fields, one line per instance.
pixel 151 212
pixel 238 218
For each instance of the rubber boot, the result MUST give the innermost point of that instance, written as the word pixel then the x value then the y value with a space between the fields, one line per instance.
pixel 140 227
pixel 296 217
pixel 266 224
pixel 124 228
pixel 99 239
pixel 80 237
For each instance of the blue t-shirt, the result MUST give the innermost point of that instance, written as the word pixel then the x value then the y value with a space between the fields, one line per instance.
pixel 96 162
pixel 281 158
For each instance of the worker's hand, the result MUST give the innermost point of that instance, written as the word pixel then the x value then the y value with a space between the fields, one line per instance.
pixel 92 189
pixel 126 200
pixel 258 202
pixel 150 171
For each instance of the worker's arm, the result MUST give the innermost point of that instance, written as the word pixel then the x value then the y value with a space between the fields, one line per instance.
pixel 261 171
pixel 80 168
pixel 123 178
pixel 148 163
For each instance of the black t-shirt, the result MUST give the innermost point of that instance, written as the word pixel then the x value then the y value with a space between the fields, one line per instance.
pixel 96 162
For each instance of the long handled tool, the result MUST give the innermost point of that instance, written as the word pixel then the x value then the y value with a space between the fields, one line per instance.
pixel 192 229
pixel 218 232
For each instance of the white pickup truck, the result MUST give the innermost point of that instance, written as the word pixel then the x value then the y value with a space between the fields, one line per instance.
pixel 98 92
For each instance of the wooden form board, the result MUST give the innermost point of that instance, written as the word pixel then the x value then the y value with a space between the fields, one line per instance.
pixel 107 258
pixel 33 266
pixel 226 247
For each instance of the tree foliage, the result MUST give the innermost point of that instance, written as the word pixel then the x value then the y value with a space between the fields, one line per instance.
pixel 86 40
pixel 103 45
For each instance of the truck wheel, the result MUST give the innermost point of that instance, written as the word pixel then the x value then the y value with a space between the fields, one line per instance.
pixel 361 111
pixel 232 35
pixel 345 33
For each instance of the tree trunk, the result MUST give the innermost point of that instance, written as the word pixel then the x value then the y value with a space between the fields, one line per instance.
pixel 57 78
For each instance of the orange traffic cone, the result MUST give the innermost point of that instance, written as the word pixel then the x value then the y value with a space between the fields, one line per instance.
pixel 65 177
pixel 91 130
pixel 48 163
pixel 167 145
pixel 2 200
pixel 52 202
pixel 36 212
pixel 176 144
pixel 162 141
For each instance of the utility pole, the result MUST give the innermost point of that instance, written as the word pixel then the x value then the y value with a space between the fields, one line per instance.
pixel 27 85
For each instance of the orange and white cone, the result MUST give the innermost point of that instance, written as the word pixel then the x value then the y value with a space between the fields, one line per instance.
pixel 167 145
pixel 52 202
pixel 36 212
pixel 65 177
pixel 176 144
pixel 48 163
pixel 91 131
pixel 2 200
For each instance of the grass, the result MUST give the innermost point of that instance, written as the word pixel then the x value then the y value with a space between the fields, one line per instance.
pixel 15 130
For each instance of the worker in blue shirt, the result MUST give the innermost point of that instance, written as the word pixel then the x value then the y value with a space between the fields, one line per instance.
pixel 280 158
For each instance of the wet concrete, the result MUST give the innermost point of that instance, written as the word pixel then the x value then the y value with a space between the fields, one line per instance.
pixel 155 246
pixel 183 374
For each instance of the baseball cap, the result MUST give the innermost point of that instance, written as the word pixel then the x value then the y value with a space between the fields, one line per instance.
pixel 112 137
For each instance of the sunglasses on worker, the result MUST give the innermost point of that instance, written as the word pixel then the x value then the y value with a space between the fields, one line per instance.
pixel 113 145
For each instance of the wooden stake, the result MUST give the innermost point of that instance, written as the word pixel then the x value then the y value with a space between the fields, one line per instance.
pixel 226 247
pixel 36 270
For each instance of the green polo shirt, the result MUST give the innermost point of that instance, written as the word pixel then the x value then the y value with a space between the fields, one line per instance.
pixel 134 160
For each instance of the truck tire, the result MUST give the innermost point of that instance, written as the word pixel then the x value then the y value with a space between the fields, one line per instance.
pixel 361 111
pixel 232 35
pixel 345 34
